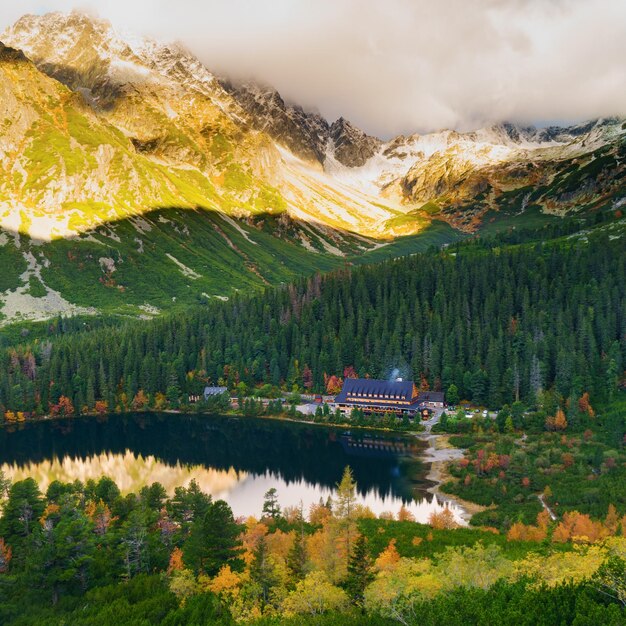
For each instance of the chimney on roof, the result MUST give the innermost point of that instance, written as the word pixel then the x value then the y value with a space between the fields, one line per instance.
pixel 398 380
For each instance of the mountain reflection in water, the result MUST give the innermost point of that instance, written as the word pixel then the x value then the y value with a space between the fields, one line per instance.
pixel 237 459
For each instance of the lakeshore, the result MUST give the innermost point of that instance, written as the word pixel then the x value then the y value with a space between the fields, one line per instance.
pixel 439 453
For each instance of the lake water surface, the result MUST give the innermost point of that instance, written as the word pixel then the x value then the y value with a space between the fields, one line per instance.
pixel 237 459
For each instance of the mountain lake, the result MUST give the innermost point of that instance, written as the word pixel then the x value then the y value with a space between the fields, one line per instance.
pixel 233 458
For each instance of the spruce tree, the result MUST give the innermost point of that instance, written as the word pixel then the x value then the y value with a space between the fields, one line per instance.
pixel 297 555
pixel 360 573
pixel 271 508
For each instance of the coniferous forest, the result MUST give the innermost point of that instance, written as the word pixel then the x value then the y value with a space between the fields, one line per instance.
pixel 500 323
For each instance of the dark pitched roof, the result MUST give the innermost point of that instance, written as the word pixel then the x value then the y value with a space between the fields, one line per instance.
pixel 396 390
pixel 214 391
pixel 431 396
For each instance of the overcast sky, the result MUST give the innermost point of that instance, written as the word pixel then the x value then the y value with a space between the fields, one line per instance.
pixel 398 66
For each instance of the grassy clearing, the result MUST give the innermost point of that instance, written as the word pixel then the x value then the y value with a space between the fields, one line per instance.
pixel 436 234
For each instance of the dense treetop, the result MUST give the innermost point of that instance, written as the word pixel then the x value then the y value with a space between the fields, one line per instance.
pixel 85 553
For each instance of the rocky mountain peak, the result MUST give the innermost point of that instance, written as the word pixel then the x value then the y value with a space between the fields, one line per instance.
pixel 515 133
pixel 303 133
pixel 88 55
pixel 82 52
pixel 61 34
pixel 352 146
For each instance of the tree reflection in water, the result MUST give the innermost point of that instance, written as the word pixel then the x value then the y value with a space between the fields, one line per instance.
pixel 234 458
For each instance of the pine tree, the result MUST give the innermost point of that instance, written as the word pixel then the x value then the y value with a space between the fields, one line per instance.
pixel 271 508
pixel 297 557
pixel 452 394
pixel 360 573
pixel 262 571
pixel 212 540
pixel 21 513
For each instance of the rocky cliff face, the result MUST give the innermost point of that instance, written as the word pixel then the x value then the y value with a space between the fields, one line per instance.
pixel 8 54
pixel 554 170
pixel 306 134
pixel 168 110
pixel 350 145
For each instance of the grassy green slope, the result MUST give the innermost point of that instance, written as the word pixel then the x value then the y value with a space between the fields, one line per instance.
pixel 435 234
pixel 172 258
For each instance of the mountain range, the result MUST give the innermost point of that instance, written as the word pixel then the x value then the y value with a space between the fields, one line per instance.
pixel 134 180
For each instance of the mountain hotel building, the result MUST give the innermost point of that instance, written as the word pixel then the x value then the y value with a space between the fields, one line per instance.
pixel 378 396
pixel 383 396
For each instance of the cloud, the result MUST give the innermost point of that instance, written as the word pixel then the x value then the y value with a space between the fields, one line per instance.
pixel 397 66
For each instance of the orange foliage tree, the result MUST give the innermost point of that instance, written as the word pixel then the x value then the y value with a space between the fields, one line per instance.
pixel 442 520
pixel 560 423
pixel 404 515
pixel 160 401
pixel 578 527
pixel 319 513
pixel 585 406
pixel 101 516
pixel 226 583
pixel 350 372
pixel 557 421
pixel 140 400
pixel 101 407
pixel 333 384
pixel 611 521
pixel 521 532
pixel 63 408
pixel 176 561
pixel 251 537
pixel 5 556
pixel 388 557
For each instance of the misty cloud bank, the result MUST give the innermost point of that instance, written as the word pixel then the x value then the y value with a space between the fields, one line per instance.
pixel 399 66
